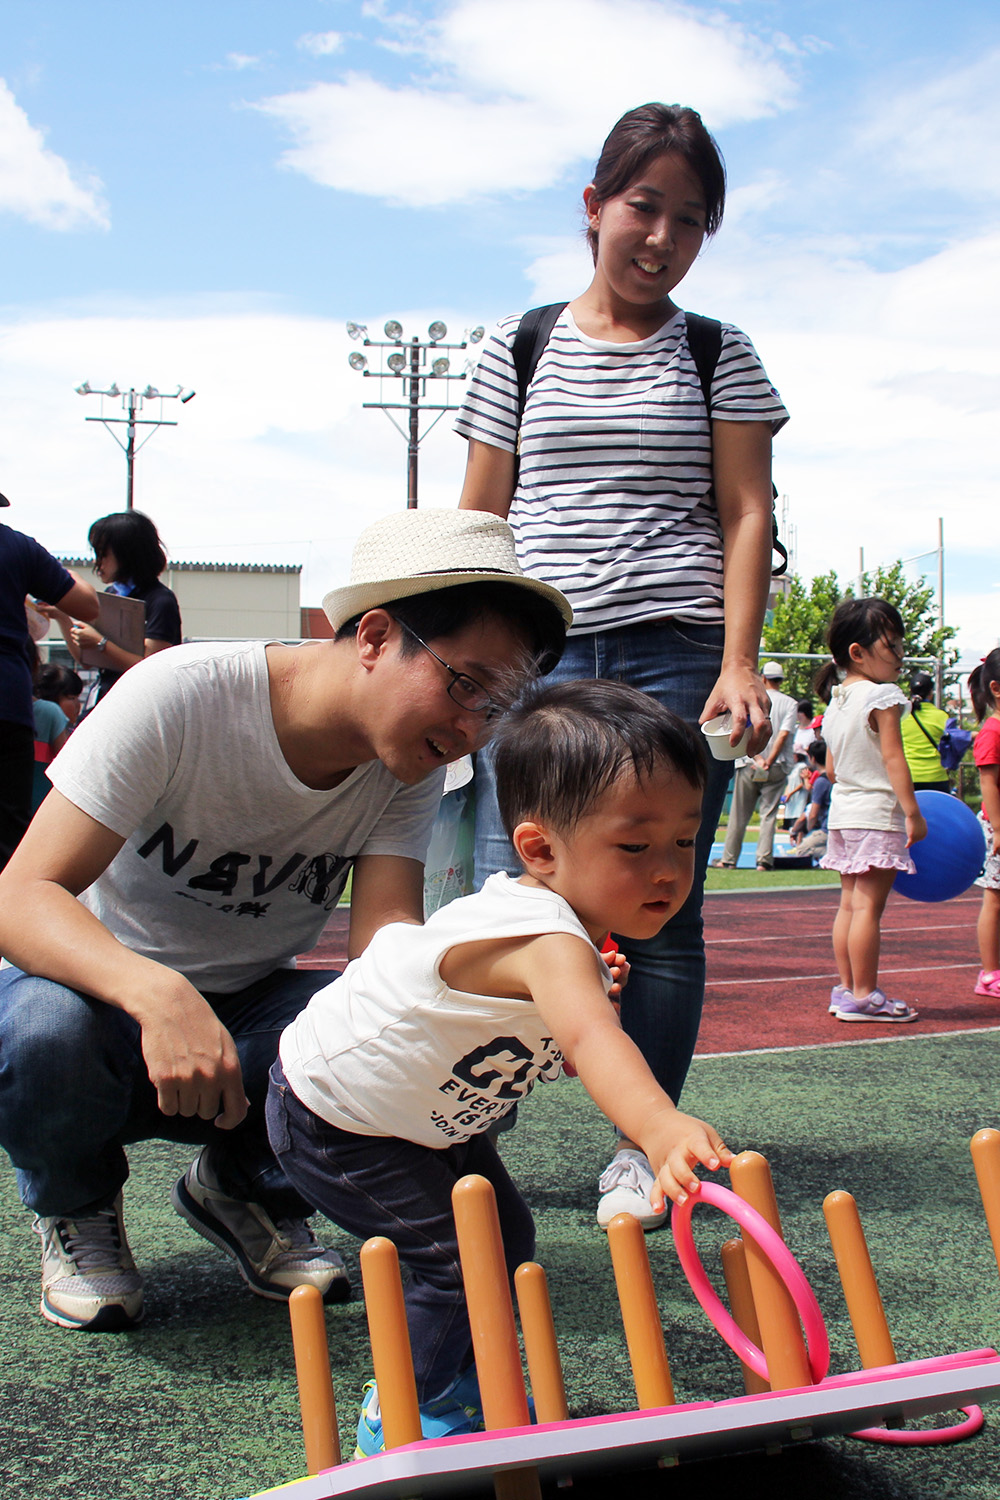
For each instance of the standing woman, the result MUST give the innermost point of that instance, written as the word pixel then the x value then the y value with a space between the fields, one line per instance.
pixel 129 559
pixel 653 518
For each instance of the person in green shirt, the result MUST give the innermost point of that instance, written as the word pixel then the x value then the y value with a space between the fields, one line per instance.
pixel 922 729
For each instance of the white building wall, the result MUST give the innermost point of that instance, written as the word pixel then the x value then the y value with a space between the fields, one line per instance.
pixel 229 601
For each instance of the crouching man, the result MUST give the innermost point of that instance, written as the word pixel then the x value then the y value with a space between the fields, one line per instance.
pixel 203 824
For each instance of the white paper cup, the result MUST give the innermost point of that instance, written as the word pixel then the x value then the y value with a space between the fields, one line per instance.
pixel 717 732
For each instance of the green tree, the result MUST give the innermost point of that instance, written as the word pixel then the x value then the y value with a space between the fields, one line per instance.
pixel 800 621
pixel 802 615
pixel 917 604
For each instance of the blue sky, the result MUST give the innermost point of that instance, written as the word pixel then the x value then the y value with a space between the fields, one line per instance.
pixel 202 195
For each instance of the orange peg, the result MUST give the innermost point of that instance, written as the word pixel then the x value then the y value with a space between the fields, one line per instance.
pixel 517 1484
pixel 312 1371
pixel 640 1313
pixel 540 1347
pixel 857 1277
pixel 487 1295
pixel 734 1269
pixel 390 1341
pixel 985 1149
pixel 781 1335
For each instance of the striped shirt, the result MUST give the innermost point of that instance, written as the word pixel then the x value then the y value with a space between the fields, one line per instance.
pixel 614 502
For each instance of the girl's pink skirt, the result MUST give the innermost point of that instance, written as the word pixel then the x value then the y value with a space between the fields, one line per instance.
pixel 852 851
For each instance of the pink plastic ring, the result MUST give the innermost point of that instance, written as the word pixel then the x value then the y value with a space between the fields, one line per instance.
pixel 781 1258
pixel 925 1437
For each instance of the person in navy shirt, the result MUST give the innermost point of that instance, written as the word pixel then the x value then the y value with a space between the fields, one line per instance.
pixel 25 568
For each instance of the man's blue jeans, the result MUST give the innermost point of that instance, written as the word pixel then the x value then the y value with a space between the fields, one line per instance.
pixel 376 1184
pixel 677 663
pixel 74 1091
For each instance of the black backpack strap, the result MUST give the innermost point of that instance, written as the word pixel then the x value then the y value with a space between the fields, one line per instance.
pixel 705 342
pixel 924 730
pixel 704 336
pixel 532 335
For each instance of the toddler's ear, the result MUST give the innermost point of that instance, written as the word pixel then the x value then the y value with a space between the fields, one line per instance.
pixel 533 847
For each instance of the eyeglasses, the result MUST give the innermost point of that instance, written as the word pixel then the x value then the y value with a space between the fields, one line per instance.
pixel 463 689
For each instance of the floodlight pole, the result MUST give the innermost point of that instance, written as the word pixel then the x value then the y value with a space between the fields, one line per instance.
pixel 412 369
pixel 132 403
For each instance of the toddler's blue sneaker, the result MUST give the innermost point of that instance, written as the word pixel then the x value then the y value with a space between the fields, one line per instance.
pixel 456 1411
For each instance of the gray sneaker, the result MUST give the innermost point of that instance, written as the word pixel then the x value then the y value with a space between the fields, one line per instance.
pixel 272 1257
pixel 89 1279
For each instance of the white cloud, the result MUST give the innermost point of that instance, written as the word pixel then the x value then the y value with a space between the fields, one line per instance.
pixel 274 462
pixel 943 133
pixel 320 43
pixel 891 378
pixel 38 185
pixel 240 61
pixel 495 115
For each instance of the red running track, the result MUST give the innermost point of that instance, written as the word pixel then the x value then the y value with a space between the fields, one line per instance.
pixel 770 968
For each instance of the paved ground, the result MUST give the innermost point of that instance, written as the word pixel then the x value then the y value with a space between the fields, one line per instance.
pixel 770 968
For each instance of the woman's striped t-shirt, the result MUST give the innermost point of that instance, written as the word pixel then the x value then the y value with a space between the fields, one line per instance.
pixel 614 501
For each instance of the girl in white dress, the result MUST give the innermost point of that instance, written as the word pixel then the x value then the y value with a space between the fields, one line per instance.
pixel 874 815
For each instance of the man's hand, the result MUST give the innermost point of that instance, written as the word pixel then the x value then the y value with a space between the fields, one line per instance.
pixel 192 1062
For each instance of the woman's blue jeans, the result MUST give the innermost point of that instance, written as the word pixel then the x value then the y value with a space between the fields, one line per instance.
pixel 677 663
pixel 74 1092
pixel 375 1185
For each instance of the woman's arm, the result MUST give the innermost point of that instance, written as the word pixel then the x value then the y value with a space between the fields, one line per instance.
pixel 489 479
pixel 116 658
pixel 890 739
pixel 741 463
pixel 67 625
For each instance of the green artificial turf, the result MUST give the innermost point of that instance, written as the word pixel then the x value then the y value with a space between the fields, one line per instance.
pixel 200 1402
pixel 768 880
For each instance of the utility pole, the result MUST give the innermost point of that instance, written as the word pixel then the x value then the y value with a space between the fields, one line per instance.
pixel 132 404
pixel 411 369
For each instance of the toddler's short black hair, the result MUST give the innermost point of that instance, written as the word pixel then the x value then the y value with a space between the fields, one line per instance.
pixel 560 750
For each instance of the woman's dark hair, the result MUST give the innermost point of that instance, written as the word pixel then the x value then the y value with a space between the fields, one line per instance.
pixel 135 542
pixel 447 611
pixel 560 750
pixel 921 687
pixel 55 682
pixel 979 684
pixel 657 130
pixel 862 620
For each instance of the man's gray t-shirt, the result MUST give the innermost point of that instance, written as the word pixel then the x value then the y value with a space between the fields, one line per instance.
pixel 231 865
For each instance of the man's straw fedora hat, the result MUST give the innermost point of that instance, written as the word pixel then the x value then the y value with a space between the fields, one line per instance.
pixel 418 551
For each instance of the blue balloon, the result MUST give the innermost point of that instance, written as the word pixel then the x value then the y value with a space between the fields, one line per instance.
pixel 952 855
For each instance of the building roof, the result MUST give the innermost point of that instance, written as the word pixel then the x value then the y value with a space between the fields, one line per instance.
pixel 200 567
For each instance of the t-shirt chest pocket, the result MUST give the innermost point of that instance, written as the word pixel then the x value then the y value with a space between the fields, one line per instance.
pixel 675 442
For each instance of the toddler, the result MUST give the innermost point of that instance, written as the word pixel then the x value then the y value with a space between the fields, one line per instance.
pixel 874 815
pixel 388 1081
